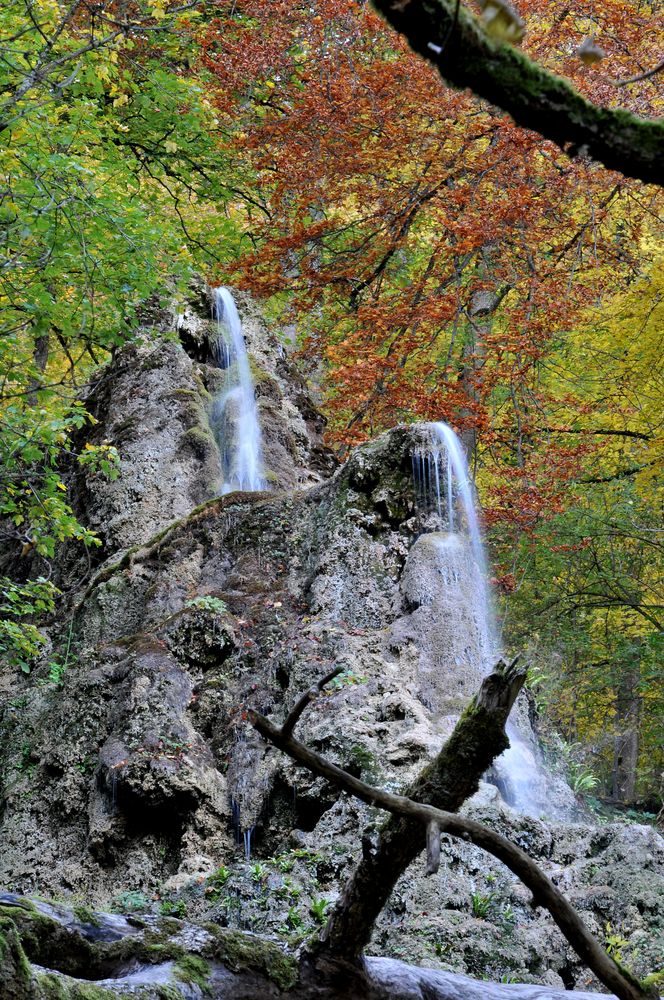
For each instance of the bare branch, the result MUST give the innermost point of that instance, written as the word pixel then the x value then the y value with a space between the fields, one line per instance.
pixel 605 432
pixel 309 696
pixel 433 847
pixel 641 76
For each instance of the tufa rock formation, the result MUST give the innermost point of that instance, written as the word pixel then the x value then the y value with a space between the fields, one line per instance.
pixel 136 783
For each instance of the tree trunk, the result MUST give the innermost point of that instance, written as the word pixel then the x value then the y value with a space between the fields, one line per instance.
pixel 626 745
pixel 481 726
pixel 40 357
pixel 451 778
pixel 483 304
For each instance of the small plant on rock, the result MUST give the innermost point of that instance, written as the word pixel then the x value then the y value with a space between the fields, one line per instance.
pixel 131 901
pixel 481 904
pixel 208 603
pixel 318 908
pixel 173 908
pixel 614 942
pixel 294 919
pixel 259 872
pixel 217 881
pixel 583 781
pixel 346 678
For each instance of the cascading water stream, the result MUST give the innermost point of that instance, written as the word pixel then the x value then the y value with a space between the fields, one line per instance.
pixel 234 413
pixel 444 488
pixel 236 427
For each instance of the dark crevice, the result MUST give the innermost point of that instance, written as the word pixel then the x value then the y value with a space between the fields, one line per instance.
pixel 288 808
pixel 567 976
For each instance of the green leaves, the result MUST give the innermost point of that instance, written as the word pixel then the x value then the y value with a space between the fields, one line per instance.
pixel 102 458
pixel 35 515
pixel 32 493
pixel 113 191
pixel 102 183
pixel 21 642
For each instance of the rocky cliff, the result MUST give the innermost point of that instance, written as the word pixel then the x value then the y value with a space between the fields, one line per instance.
pixel 134 783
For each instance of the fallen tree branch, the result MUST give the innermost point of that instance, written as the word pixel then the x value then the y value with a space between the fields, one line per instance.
pixel 465 56
pixel 498 692
pixel 446 782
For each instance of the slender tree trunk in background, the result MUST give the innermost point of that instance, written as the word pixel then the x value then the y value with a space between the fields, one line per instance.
pixel 626 743
pixel 40 357
pixel 483 304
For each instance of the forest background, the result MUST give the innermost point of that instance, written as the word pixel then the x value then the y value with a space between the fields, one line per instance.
pixel 433 260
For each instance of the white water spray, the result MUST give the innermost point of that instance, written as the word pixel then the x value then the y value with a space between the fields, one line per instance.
pixel 444 487
pixel 443 460
pixel 234 413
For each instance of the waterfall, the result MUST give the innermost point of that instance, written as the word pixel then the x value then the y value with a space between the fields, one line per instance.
pixel 445 487
pixel 237 430
pixel 234 416
pixel 446 499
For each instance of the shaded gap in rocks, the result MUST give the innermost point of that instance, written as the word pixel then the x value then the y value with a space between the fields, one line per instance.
pixel 136 820
pixel 287 808
pixel 567 976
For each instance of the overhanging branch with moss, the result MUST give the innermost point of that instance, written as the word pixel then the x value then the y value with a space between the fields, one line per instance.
pixel 465 56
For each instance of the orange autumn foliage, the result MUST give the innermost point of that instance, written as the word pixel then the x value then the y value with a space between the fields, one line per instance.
pixel 433 253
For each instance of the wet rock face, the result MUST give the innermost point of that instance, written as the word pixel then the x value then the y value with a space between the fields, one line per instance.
pixel 154 403
pixel 151 405
pixel 444 619
pixel 138 775
pixel 141 761
pixel 292 428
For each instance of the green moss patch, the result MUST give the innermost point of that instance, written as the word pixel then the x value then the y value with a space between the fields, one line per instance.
pixel 193 969
pixel 238 951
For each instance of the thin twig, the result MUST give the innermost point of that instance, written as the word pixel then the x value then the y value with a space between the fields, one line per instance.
pixel 642 76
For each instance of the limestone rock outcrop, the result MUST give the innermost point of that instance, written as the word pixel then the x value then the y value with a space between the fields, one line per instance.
pixel 136 777
pixel 153 403
pixel 85 954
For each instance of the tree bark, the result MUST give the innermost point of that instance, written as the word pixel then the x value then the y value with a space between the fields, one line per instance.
pixel 40 358
pixel 451 778
pixel 445 783
pixel 626 743
pixel 465 56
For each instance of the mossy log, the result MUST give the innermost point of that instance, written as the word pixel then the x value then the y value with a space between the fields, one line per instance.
pixel 154 964
pixel 15 975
